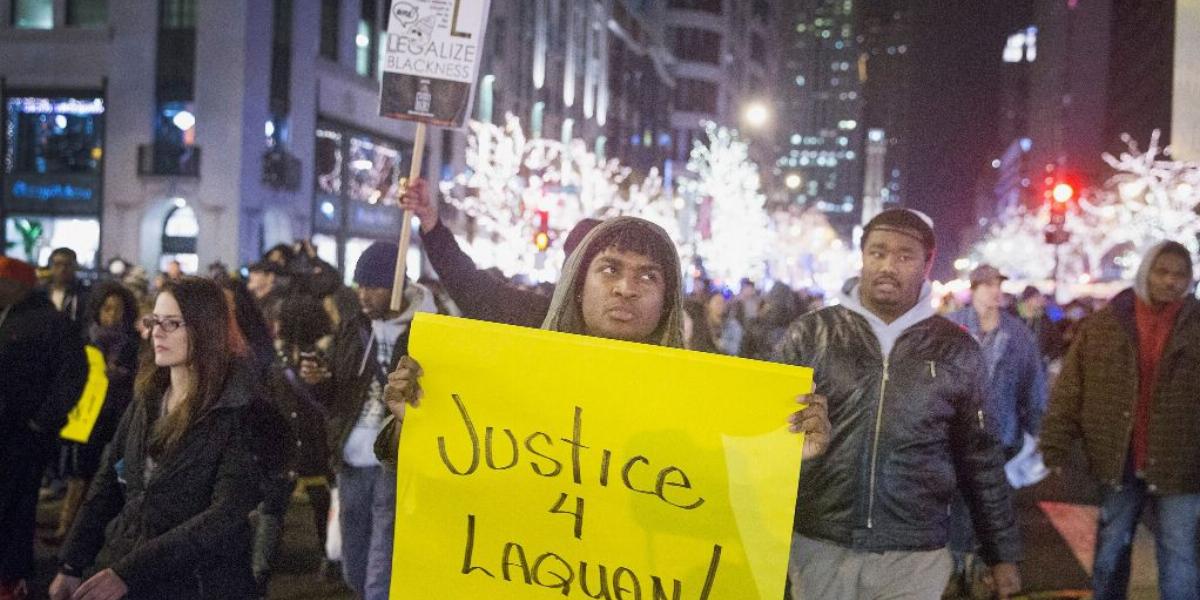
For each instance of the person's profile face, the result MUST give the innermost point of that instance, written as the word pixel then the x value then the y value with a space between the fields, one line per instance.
pixel 623 296
pixel 168 333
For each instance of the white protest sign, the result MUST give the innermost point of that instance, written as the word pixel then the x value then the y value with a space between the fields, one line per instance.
pixel 431 60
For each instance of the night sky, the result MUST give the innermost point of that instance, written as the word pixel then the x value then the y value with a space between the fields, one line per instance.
pixel 956 98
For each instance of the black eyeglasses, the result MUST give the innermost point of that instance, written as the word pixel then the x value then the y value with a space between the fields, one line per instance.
pixel 168 324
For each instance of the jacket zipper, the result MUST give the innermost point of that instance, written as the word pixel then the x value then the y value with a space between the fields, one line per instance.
pixel 875 446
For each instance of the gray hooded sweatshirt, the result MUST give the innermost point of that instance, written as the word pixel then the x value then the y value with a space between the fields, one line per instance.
pixel 1141 283
pixel 888 333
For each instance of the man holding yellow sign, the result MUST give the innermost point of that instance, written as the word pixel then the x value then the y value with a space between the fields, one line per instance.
pixel 597 497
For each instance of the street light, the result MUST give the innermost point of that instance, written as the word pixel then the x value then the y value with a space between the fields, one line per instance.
pixel 756 114
pixel 793 181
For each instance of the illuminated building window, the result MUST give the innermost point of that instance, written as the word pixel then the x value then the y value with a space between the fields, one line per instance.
pixel 33 14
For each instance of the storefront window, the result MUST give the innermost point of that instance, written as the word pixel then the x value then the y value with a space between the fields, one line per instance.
pixel 358 176
pixel 53 156
pixel 54 135
pixel 32 238
pixel 33 14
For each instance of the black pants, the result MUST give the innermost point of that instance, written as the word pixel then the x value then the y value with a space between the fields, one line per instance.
pixel 23 458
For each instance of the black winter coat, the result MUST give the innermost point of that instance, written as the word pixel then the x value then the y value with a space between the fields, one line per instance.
pixel 305 416
pixel 352 369
pixel 184 533
pixel 43 368
pixel 479 294
pixel 906 432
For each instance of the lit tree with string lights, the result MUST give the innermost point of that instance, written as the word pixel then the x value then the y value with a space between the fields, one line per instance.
pixel 734 232
pixel 810 253
pixel 516 189
pixel 1150 198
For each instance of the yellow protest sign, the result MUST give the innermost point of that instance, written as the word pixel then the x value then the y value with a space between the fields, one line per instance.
pixel 82 419
pixel 544 465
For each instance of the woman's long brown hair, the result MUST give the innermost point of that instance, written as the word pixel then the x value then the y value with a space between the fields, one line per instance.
pixel 208 321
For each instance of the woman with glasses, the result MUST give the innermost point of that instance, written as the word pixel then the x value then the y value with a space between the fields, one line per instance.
pixel 166 516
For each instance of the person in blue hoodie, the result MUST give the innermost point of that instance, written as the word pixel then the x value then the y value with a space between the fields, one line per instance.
pixel 906 401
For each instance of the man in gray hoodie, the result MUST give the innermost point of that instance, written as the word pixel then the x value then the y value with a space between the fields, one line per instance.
pixel 905 390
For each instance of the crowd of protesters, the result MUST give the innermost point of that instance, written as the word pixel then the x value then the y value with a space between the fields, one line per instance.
pixel 228 395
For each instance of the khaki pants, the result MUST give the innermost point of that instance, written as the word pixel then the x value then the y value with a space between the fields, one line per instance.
pixel 821 570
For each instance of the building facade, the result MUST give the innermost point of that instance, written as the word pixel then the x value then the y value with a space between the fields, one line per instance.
pixel 199 131
pixel 726 54
pixel 158 130
pixel 596 70
pixel 1185 113
pixel 823 105
pixel 885 66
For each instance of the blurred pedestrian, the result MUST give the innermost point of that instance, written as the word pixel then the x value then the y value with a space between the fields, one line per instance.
pixel 780 307
pixel 110 328
pixel 351 384
pixel 747 303
pixel 1031 307
pixel 305 331
pixel 696 334
pixel 251 323
pixel 1014 398
pixel 1128 390
pixel 65 289
pixel 725 330
pixel 166 515
pixel 42 377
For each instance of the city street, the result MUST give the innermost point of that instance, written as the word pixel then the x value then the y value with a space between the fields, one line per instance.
pixel 1057 520
pixel 230 230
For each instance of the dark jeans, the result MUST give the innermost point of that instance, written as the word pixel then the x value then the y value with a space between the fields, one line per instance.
pixel 23 458
pixel 1175 540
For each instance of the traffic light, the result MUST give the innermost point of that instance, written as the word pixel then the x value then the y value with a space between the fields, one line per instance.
pixel 1061 195
pixel 541 239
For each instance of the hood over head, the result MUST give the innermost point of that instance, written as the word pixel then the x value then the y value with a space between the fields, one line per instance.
pixel 1141 283
pixel 566 314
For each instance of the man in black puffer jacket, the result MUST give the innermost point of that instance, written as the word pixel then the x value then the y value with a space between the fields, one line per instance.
pixel 905 399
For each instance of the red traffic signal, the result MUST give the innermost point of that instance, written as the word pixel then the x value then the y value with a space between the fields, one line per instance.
pixel 1063 192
